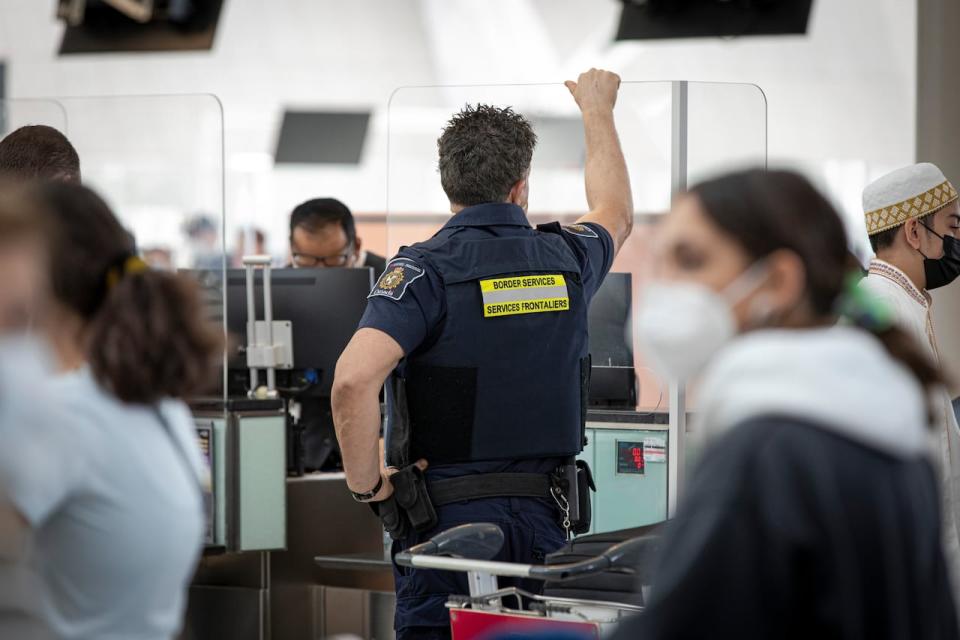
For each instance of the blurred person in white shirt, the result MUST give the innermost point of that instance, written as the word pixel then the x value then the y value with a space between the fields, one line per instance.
pixel 109 493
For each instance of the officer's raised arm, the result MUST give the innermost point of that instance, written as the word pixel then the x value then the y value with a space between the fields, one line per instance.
pixel 361 370
pixel 607 181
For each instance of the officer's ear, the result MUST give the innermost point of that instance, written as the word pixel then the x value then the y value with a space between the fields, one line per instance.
pixel 520 191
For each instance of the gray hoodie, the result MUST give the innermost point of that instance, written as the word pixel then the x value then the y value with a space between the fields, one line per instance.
pixel 839 377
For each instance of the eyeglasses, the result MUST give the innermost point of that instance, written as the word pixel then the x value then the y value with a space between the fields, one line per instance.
pixel 306 260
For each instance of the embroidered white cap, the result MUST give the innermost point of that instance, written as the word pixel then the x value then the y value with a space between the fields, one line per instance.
pixel 911 192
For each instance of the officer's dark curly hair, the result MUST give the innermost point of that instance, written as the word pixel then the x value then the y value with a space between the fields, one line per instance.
pixel 484 151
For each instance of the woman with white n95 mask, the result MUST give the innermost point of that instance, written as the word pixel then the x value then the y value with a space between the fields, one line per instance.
pixel 814 510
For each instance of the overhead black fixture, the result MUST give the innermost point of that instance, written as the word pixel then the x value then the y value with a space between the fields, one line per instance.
pixel 663 19
pixel 322 137
pixel 104 26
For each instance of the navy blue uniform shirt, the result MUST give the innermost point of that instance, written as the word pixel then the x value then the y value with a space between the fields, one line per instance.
pixel 412 312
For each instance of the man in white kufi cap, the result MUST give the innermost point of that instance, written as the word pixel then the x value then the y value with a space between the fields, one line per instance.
pixel 912 217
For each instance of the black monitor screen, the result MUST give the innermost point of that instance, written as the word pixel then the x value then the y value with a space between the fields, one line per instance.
pixel 323 305
pixel 611 337
pixel 613 379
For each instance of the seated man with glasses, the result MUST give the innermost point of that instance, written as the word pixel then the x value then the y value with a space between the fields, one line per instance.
pixel 323 234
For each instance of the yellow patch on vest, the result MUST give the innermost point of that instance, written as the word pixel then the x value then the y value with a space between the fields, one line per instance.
pixel 533 293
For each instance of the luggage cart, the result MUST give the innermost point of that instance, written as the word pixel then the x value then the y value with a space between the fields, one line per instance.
pixel 491 612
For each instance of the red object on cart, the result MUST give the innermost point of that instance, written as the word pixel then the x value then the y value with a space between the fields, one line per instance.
pixel 483 616
pixel 472 624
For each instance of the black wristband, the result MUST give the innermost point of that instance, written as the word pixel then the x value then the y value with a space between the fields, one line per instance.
pixel 363 497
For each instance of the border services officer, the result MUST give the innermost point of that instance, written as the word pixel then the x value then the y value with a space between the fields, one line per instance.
pixel 482 331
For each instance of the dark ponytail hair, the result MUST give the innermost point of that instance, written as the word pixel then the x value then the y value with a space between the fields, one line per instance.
pixel 148 338
pixel 766 211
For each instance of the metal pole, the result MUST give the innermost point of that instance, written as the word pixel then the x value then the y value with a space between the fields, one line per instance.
pixel 268 317
pixel 678 394
pixel 482 584
pixel 251 323
pixel 491 567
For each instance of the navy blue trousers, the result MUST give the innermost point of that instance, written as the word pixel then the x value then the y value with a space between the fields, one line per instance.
pixel 531 530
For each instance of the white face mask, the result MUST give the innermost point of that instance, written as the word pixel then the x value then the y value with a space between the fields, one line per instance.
pixel 682 325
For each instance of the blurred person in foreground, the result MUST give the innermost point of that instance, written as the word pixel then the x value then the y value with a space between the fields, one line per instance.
pixel 39 152
pixel 912 218
pixel 323 233
pixel 814 511
pixel 110 492
pixel 24 269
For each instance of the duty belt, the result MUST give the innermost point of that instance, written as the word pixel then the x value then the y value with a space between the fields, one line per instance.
pixel 412 505
pixel 490 485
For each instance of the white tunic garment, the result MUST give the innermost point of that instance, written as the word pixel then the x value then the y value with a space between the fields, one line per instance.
pixel 911 308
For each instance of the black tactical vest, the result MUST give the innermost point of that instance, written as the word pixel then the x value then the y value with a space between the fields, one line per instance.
pixel 505 376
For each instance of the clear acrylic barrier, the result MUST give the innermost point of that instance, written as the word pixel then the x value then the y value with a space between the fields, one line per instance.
pixel 18 113
pixel 726 128
pixel 671 133
pixel 417 116
pixel 156 160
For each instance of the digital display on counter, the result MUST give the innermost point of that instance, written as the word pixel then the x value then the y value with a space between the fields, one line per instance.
pixel 630 458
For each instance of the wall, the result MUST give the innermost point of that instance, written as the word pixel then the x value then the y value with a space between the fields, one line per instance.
pixel 841 99
pixel 938 130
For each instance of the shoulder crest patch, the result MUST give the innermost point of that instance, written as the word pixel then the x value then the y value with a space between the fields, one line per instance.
pixel 581 230
pixel 397 277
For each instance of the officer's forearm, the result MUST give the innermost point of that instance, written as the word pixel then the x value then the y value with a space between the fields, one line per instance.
pixel 606 177
pixel 356 417
pixel 361 370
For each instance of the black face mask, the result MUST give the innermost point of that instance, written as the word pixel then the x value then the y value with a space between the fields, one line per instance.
pixel 942 271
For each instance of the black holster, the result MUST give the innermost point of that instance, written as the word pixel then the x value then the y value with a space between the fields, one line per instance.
pixel 409 508
pixel 398 451
pixel 576 482
pixel 392 517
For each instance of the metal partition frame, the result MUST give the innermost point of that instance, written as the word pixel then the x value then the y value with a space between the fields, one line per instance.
pixel 700 110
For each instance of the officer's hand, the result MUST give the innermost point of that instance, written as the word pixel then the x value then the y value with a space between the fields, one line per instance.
pixel 595 90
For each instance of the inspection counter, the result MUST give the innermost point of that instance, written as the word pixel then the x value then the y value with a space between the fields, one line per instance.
pixel 332 573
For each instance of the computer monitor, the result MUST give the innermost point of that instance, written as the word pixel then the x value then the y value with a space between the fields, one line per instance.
pixel 323 305
pixel 609 322
pixel 613 378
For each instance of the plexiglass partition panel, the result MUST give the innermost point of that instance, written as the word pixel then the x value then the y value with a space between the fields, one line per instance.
pixel 417 116
pixel 157 161
pixel 672 133
pixel 715 128
pixel 19 113
pixel 726 128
